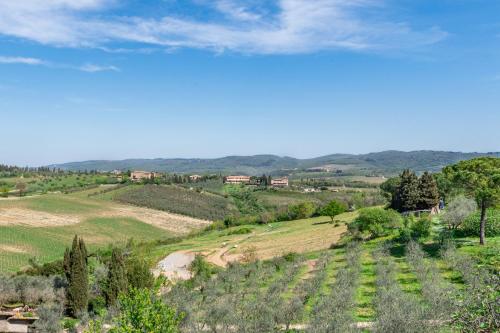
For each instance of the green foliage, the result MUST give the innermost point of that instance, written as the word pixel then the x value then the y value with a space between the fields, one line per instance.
pixel 333 209
pixel 245 200
pixel 302 210
pixel 138 273
pixel 415 228
pixel 75 267
pixel 199 267
pixel 389 188
pixel 239 231
pixel 142 311
pixel 408 192
pixel 69 324
pixel 117 277
pixel 408 195
pixel 470 226
pixel 479 178
pixel 428 192
pixel 46 269
pixel 375 222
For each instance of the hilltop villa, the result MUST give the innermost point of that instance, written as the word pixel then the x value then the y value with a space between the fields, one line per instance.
pixel 141 175
pixel 237 179
pixel 279 182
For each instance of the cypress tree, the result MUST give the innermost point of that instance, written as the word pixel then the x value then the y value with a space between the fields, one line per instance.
pixel 75 267
pixel 429 194
pixel 408 192
pixel 117 277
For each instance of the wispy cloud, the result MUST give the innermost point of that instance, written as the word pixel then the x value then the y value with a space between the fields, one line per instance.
pixel 21 60
pixel 295 26
pixel 92 68
pixel 89 68
pixel 236 10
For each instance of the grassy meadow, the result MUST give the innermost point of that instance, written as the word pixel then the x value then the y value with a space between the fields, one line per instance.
pixel 270 240
pixel 42 226
pixel 18 244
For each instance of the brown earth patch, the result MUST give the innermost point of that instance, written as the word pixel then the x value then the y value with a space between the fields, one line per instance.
pixel 168 221
pixel 15 216
pixel 13 249
pixel 21 216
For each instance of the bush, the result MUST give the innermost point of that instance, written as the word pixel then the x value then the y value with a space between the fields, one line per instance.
pixel 240 231
pixel 302 210
pixel 470 227
pixel 375 222
pixel 199 267
pixel 143 311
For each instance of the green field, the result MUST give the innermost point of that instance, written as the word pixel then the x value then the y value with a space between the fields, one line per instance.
pixel 42 226
pixel 18 244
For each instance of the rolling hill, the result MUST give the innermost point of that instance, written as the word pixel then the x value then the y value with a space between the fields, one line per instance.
pixel 386 162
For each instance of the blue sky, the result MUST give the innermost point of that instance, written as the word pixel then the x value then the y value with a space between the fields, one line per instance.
pixel 109 79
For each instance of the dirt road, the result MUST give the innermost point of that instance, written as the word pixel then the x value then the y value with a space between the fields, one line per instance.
pixel 175 266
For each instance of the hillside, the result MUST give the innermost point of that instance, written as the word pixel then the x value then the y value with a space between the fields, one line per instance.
pixel 386 162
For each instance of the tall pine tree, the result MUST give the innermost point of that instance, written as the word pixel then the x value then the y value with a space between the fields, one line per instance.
pixel 75 267
pixel 429 194
pixel 408 195
pixel 117 277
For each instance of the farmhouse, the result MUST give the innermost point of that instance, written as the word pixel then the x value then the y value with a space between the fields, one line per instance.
pixel 194 178
pixel 279 182
pixel 237 179
pixel 141 175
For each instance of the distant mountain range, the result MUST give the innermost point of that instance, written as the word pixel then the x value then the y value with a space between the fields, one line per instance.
pixel 386 162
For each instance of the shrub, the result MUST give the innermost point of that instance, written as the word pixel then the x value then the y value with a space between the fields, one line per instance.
pixel 143 311
pixel 138 273
pixel 470 227
pixel 291 256
pixel 49 318
pixel 478 310
pixel 375 222
pixel 199 267
pixel 240 231
pixel 302 210
pixel 421 227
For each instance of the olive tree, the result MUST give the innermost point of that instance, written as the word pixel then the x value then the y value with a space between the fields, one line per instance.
pixel 457 211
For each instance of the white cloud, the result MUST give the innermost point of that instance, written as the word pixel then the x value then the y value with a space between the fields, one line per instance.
pixel 92 68
pixel 236 10
pixel 299 26
pixel 89 68
pixel 21 60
